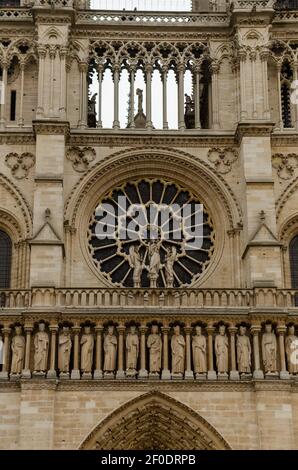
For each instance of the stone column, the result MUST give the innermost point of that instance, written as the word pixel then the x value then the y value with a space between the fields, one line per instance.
pixel 116 76
pixel 211 372
pixel 166 374
pixel 234 374
pixel 253 58
pixel 26 372
pixel 165 97
pixel 243 109
pixel 188 372
pixel 181 121
pixel 281 331
pixel 100 70
pixel 258 373
pixel 62 107
pixel 295 92
pixel 143 373
pixel 21 109
pixel 5 367
pixel 132 71
pixel 120 371
pixel 197 97
pixel 83 67
pixel 266 108
pixel 280 124
pixel 215 95
pixel 52 373
pixel 98 374
pixel 75 373
pixel 52 66
pixel 42 52
pixel 149 71
pixel 3 95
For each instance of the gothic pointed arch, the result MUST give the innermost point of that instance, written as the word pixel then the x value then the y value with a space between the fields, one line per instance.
pixel 154 421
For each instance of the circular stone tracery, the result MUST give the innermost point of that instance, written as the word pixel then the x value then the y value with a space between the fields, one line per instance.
pixel 151 233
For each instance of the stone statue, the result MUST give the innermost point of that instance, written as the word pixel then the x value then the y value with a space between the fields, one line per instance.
pixel 64 351
pixel 18 351
pixel 269 350
pixel 178 352
pixel 170 259
pixel 154 262
pixel 139 94
pixel 292 350
pixel 92 111
pixel 87 347
pixel 136 262
pixel 154 344
pixel 199 348
pixel 41 349
pixel 243 352
pixel 222 351
pixel 110 349
pixel 132 351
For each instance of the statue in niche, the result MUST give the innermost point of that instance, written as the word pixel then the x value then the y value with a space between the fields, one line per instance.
pixel 292 350
pixel 189 116
pixel 110 350
pixel 65 344
pixel 136 262
pixel 269 350
pixel 178 352
pixel 222 351
pixel 18 351
pixel 92 111
pixel 154 344
pixel 140 118
pixel 170 259
pixel 154 262
pixel 87 347
pixel 132 350
pixel 243 351
pixel 41 349
pixel 199 351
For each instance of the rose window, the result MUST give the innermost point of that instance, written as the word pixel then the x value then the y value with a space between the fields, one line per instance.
pixel 151 233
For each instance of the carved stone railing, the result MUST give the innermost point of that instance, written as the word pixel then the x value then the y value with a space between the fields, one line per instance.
pixel 54 4
pixel 117 298
pixel 152 18
pixel 15 14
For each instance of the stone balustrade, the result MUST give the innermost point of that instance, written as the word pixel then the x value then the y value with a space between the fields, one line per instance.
pixel 114 298
pixel 199 348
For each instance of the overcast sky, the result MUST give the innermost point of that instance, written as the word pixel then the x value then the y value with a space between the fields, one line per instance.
pixel 153 5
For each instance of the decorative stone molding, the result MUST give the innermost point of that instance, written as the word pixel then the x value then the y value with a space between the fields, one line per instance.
pixel 20 164
pixel 178 417
pixel 51 127
pixel 20 201
pixel 81 158
pixel 285 164
pixel 222 158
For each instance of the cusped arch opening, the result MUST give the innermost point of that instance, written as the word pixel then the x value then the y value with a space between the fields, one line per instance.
pixel 154 421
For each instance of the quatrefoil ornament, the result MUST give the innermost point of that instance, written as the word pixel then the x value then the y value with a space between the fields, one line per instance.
pixel 81 158
pixel 20 164
pixel 222 159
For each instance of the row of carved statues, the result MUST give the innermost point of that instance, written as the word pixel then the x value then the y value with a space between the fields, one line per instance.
pixel 174 352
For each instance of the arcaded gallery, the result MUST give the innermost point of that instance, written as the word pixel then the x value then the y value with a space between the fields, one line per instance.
pixel 149 224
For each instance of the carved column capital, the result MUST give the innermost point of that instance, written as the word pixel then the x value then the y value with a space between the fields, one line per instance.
pixel 256 329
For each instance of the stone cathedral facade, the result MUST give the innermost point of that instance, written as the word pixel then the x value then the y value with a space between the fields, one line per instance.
pixel 142 342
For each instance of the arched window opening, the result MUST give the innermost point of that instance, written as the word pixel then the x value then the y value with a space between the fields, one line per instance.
pixel 5 260
pixel 294 265
pixel 286 80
